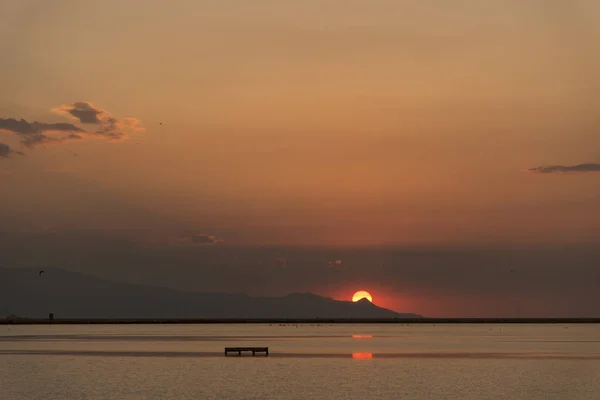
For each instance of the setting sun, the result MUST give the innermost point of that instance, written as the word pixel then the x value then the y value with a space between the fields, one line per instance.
pixel 361 294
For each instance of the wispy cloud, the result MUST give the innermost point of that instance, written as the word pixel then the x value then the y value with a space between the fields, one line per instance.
pixel 205 239
pixel 32 141
pixel 561 169
pixel 6 151
pixel 107 126
pixel 195 239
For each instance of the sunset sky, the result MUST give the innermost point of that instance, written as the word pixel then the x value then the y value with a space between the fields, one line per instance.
pixel 191 125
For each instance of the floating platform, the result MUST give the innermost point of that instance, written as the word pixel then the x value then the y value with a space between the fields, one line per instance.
pixel 240 350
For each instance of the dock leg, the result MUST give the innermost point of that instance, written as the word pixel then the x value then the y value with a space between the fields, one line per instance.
pixel 240 353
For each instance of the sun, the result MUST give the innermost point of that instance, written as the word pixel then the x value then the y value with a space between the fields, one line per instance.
pixel 361 294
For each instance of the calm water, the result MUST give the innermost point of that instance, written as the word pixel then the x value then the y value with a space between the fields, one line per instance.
pixel 306 362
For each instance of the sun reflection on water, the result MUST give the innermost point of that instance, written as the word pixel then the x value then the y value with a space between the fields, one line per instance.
pixel 362 355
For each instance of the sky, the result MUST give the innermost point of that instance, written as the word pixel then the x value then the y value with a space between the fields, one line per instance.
pixel 195 126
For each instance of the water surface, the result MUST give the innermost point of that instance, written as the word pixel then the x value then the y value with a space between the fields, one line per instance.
pixel 417 361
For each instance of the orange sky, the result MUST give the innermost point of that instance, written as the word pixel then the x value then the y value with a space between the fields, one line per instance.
pixel 302 123
pixel 376 122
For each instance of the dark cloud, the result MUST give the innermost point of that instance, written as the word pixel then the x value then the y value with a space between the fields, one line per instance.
pixel 559 169
pixel 85 112
pixel 22 127
pixel 6 151
pixel 35 133
pixel 110 127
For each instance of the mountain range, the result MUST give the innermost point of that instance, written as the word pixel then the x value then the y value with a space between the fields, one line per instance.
pixel 26 292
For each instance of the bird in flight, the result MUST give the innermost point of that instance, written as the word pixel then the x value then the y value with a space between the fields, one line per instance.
pixel 41 272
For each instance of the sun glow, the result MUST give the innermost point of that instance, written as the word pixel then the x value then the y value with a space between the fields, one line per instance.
pixel 361 294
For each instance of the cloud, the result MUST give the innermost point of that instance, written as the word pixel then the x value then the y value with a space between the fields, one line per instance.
pixel 195 239
pixel 204 239
pixel 36 133
pixel 32 141
pixel 85 112
pixel 109 127
pixel 6 151
pixel 106 126
pixel 22 127
pixel 559 169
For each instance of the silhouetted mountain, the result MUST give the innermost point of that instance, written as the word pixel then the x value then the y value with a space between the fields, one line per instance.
pixel 27 293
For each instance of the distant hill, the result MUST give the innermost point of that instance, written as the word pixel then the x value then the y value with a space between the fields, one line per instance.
pixel 67 294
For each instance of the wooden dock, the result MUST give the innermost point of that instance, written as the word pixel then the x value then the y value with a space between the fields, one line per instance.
pixel 254 350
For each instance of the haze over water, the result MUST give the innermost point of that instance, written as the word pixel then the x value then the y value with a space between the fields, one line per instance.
pixel 305 362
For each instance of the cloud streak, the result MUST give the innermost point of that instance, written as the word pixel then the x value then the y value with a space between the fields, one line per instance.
pixel 22 127
pixel 561 169
pixel 6 151
pixel 195 239
pixel 35 133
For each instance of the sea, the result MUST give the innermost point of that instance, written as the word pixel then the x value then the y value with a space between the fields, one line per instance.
pixel 305 361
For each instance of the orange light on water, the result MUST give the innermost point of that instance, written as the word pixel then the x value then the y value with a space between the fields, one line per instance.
pixel 362 355
pixel 362 336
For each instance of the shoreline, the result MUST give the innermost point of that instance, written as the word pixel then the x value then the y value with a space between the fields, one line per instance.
pixel 313 321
